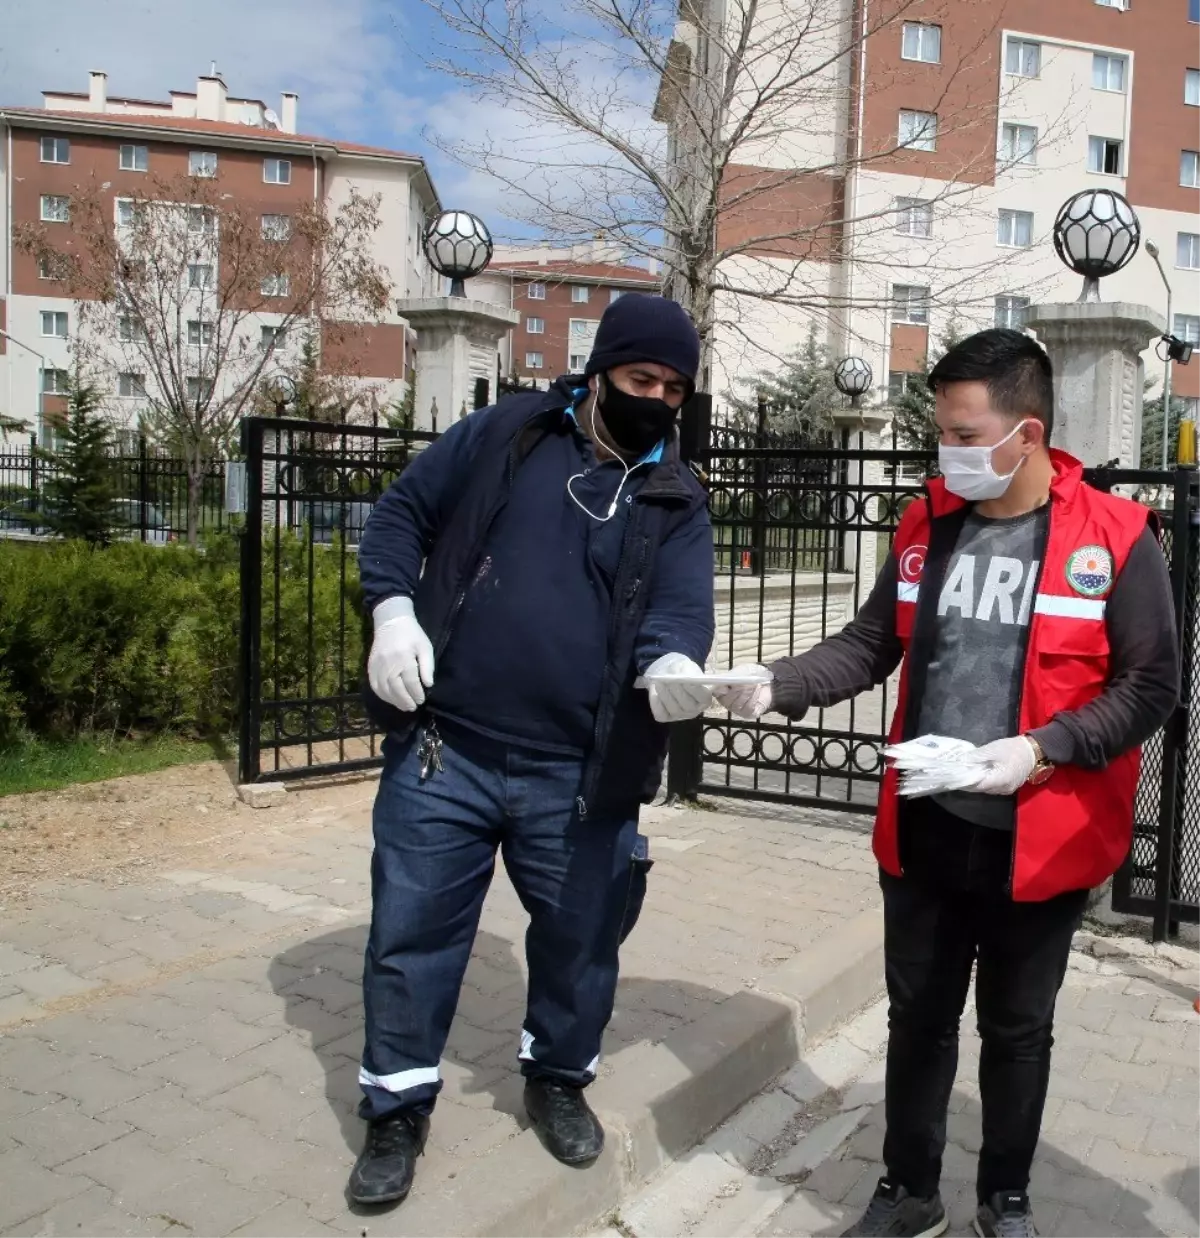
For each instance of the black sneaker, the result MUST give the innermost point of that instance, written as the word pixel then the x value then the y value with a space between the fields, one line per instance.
pixel 894 1213
pixel 570 1130
pixel 1006 1214
pixel 383 1173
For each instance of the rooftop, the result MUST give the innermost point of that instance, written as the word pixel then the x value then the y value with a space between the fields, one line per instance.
pixel 565 269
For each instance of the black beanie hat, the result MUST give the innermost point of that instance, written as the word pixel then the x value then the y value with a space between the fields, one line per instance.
pixel 637 327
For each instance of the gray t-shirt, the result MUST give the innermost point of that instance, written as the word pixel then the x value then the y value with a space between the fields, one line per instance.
pixel 973 685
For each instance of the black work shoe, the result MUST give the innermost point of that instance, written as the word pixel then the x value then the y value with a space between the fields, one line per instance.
pixel 894 1213
pixel 383 1173
pixel 570 1130
pixel 1006 1214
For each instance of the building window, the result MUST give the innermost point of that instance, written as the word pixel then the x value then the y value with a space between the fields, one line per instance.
pixel 1010 312
pixel 202 163
pixel 55 382
pixel 900 381
pixel 910 303
pixel 1191 87
pixel 199 333
pixel 578 362
pixel 536 292
pixel 1023 58
pixel 535 326
pixel 1189 169
pixel 54 324
pixel 134 159
pixel 1018 144
pixel 580 294
pixel 127 212
pixel 1187 327
pixel 921 42
pixel 131 386
pixel 130 330
pixel 918 130
pixel 273 337
pixel 1108 73
pixel 1187 251
pixel 199 390
pixel 277 285
pixel 1104 156
pixel 277 171
pixel 615 294
pixel 200 275
pixel 202 219
pixel 914 217
pixel 1122 5
pixel 1015 229
pixel 1194 10
pixel 276 227
pixel 56 150
pixel 52 266
pixel 56 209
pixel 534 360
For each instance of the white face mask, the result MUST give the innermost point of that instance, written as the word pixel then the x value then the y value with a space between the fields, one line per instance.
pixel 968 470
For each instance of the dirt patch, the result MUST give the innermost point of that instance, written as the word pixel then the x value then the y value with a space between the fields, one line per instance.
pixel 122 829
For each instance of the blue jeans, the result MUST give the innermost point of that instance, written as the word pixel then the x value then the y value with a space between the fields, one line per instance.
pixel 435 852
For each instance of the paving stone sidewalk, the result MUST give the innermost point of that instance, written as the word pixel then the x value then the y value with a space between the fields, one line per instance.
pixel 179 1055
pixel 1120 1149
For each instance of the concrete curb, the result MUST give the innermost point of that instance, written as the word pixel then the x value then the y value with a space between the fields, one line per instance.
pixel 659 1100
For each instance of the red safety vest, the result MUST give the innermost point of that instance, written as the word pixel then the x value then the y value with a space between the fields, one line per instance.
pixel 1074 830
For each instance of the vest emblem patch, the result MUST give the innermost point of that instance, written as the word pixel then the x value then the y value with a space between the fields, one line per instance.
pixel 1090 571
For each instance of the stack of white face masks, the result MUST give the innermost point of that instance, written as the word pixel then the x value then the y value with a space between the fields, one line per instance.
pixel 933 764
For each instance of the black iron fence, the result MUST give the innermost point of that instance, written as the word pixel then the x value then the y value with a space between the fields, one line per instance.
pixel 154 500
pixel 309 488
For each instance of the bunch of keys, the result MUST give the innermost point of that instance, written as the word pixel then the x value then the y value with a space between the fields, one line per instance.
pixel 430 752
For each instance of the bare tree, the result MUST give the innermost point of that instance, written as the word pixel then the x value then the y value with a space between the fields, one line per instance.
pixel 192 293
pixel 722 138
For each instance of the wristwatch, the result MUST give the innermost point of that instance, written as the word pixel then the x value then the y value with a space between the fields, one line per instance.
pixel 1043 768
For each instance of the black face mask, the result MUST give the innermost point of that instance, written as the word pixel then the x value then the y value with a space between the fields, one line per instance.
pixel 635 423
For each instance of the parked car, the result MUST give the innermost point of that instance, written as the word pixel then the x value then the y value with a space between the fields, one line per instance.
pixel 136 517
pixel 333 519
pixel 24 519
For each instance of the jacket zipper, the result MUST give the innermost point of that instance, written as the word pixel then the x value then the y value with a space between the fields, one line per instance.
pixel 1037 584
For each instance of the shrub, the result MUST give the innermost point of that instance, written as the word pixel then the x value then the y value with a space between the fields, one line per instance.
pixel 134 638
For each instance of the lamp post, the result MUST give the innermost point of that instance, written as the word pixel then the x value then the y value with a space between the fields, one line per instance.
pixel 1096 234
pixel 12 339
pixel 852 377
pixel 458 246
pixel 1153 251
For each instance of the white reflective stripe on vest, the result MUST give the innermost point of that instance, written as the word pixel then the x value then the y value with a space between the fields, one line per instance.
pixel 906 592
pixel 1069 607
pixel 401 1080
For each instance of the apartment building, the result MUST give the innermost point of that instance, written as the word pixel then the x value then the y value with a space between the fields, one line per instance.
pixel 561 294
pixel 256 155
pixel 947 142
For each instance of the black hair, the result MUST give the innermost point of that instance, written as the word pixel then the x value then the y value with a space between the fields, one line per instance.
pixel 1018 374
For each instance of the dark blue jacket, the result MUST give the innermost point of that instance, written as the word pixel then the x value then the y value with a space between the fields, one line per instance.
pixel 438 515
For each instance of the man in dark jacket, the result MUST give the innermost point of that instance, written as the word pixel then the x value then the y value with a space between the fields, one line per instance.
pixel 522 573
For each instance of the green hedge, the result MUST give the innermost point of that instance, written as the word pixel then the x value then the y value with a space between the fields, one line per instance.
pixel 134 638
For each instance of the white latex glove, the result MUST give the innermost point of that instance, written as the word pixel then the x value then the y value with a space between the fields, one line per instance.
pixel 746 702
pixel 676 702
pixel 400 667
pixel 1009 764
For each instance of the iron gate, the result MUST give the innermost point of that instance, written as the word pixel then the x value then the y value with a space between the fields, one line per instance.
pixel 310 487
pixel 800 534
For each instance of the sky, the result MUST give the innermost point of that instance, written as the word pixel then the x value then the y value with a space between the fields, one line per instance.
pixel 358 66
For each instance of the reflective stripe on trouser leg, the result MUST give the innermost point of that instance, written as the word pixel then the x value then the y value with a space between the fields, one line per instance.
pixel 526 1054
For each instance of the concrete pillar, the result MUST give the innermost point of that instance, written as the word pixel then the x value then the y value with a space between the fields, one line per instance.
pixel 862 429
pixel 1096 349
pixel 452 333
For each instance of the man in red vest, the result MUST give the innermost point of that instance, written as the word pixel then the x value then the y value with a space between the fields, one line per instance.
pixel 1031 615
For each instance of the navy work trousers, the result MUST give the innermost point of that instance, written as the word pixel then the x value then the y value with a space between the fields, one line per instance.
pixel 435 851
